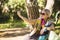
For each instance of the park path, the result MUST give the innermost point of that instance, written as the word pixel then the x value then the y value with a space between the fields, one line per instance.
pixel 14 34
pixel 15 38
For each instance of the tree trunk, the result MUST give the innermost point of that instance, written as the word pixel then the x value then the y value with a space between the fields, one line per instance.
pixel 30 22
pixel 32 9
pixel 49 5
pixel 32 12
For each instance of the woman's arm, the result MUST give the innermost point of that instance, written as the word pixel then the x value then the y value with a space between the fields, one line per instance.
pixel 34 29
pixel 51 27
pixel 45 29
pixel 33 32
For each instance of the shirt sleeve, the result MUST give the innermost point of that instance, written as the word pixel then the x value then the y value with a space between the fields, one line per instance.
pixel 49 23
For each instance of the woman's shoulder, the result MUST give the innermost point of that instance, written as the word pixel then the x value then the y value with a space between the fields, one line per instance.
pixel 49 23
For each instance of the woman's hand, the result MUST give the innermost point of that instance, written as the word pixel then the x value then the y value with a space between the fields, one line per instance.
pixel 42 31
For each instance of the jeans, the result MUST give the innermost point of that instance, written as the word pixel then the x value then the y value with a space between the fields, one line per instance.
pixel 43 37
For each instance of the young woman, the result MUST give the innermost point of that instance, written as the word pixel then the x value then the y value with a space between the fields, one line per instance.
pixel 43 25
pixel 46 25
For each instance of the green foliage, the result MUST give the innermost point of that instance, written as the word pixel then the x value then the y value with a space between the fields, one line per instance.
pixel 56 6
pixel 42 3
pixel 11 6
pixel 8 19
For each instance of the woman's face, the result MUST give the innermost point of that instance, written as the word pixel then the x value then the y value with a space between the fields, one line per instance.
pixel 44 15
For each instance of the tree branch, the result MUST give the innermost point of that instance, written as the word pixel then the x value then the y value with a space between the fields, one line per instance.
pixel 25 19
pixel 20 16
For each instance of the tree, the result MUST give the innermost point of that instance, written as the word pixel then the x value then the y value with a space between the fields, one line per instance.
pixel 33 11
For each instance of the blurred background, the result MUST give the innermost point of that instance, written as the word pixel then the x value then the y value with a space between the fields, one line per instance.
pixel 10 19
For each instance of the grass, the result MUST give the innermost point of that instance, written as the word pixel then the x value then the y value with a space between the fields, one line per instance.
pixel 18 24
pixel 2 26
pixel 14 24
